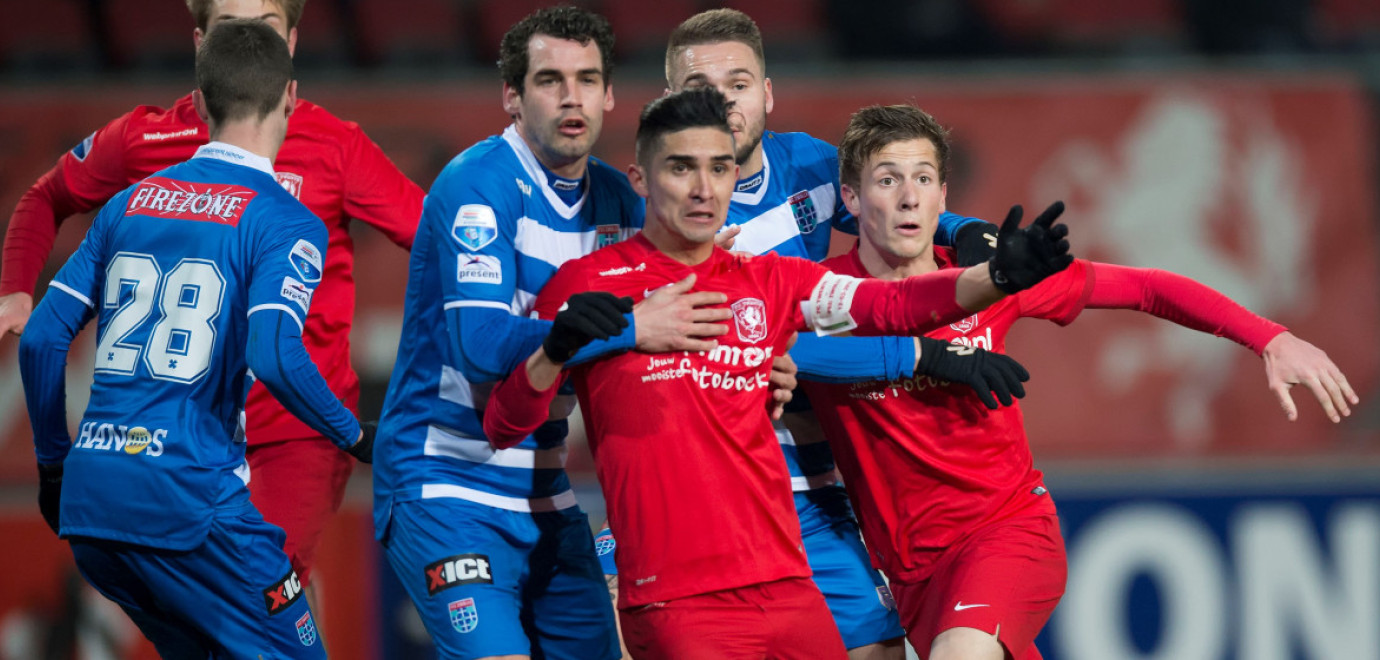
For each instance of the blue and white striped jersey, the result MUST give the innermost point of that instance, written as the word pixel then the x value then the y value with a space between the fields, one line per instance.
pixel 172 268
pixel 493 231
pixel 791 208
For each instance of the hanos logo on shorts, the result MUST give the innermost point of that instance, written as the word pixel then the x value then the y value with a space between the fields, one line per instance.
pixel 750 318
pixel 464 616
pixel 306 630
pixel 283 594
pixel 457 570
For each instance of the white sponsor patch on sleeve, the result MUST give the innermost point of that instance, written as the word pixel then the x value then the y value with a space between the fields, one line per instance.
pixel 475 227
pixel 297 292
pixel 478 269
pixel 828 309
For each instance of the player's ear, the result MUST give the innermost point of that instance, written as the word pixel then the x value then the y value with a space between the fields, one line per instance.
pixel 943 198
pixel 292 41
pixel 608 98
pixel 199 102
pixel 638 179
pixel 512 101
pixel 850 199
pixel 769 101
pixel 197 36
pixel 291 94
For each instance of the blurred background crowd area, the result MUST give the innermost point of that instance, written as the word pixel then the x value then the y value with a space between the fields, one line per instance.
pixel 73 38
pixel 1232 141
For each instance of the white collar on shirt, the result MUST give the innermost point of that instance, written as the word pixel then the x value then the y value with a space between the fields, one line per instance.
pixel 233 154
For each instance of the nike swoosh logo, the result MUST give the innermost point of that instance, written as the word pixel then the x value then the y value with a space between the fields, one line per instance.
pixel 960 606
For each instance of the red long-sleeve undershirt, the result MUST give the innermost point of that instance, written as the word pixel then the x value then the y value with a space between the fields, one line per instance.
pixel 1181 300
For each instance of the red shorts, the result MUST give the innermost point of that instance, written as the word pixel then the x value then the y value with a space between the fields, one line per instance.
pixel 785 619
pixel 1004 580
pixel 297 485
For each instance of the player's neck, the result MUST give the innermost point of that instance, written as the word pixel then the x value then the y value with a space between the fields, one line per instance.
pixel 886 266
pixel 676 247
pixel 261 138
pixel 752 166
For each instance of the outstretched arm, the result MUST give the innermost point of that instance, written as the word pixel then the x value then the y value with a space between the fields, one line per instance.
pixel 1289 360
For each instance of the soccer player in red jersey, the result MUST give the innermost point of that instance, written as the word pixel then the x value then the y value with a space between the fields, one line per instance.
pixel 710 552
pixel 953 510
pixel 297 477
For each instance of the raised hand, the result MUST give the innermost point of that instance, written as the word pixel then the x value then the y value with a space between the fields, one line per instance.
pixel 584 318
pixel 1026 256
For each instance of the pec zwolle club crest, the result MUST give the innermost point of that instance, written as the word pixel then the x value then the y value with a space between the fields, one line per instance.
pixel 463 615
pixel 306 630
pixel 803 208
pixel 750 318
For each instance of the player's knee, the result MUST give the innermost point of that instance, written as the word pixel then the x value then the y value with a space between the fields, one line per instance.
pixel 966 644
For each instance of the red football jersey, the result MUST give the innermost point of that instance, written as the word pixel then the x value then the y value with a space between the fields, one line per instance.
pixel 925 462
pixel 698 491
pixel 328 164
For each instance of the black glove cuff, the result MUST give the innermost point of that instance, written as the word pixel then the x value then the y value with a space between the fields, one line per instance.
pixel 999 279
pixel 50 473
pixel 556 349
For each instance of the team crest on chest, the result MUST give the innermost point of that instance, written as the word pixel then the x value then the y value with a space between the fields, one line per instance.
pixel 606 235
pixel 803 208
pixel 966 325
pixel 290 182
pixel 750 318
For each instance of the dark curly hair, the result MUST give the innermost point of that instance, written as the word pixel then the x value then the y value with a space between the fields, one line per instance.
pixel 570 23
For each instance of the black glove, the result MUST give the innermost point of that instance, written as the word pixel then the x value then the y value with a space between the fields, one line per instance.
pixel 585 317
pixel 50 493
pixel 363 450
pixel 1027 256
pixel 984 371
pixel 975 243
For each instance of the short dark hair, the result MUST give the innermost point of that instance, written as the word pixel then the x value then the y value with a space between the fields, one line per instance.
pixel 873 128
pixel 712 27
pixel 570 23
pixel 702 107
pixel 201 11
pixel 242 69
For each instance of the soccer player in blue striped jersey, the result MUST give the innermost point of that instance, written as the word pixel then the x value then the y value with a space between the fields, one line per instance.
pixel 196 276
pixel 491 544
pixel 787 201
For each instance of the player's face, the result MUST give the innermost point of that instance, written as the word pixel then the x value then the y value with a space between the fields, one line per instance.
pixel 561 108
pixel 268 12
pixel 688 182
pixel 732 68
pixel 898 200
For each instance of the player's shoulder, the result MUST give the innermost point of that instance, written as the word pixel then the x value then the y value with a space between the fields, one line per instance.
pixel 798 146
pixel 481 167
pixel 843 264
pixel 312 118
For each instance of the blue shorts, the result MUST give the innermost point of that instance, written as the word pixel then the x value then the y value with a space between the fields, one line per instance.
pixel 235 596
pixel 489 581
pixel 857 597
